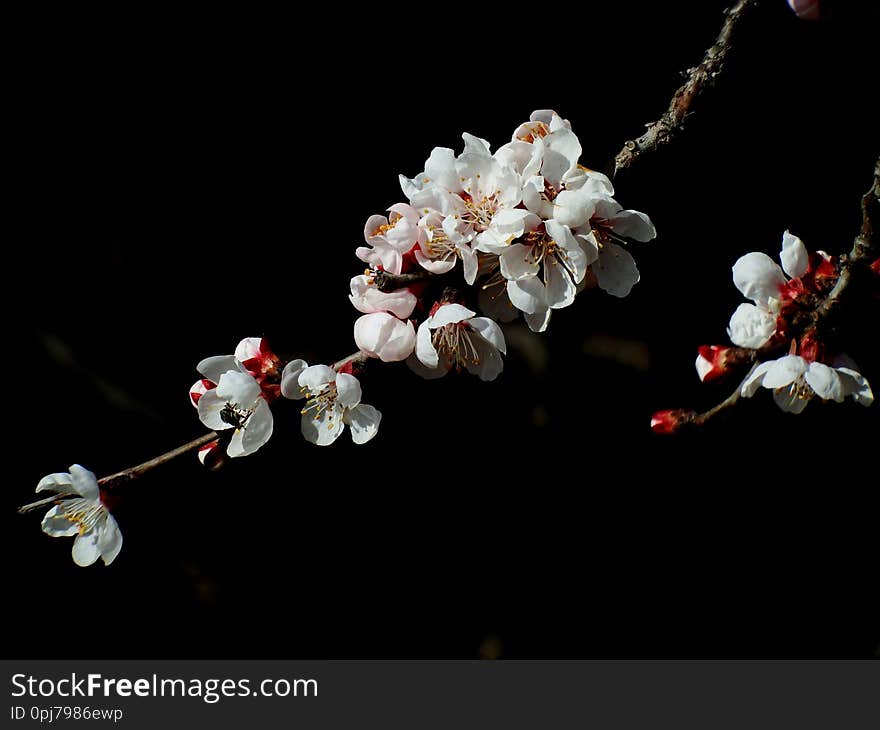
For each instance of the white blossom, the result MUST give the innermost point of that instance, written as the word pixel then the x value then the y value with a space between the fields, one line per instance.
pixel 79 511
pixel 333 401
pixel 384 336
pixel 762 280
pixel 795 381
pixel 454 337
pixel 238 403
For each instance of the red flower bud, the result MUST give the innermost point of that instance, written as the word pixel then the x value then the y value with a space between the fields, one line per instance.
pixel 671 421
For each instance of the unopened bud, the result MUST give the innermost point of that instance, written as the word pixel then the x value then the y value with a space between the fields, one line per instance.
pixel 716 361
pixel 198 389
pixel 671 421
pixel 806 9
pixel 212 456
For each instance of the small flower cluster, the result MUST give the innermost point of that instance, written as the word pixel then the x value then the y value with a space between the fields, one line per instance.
pixel 780 319
pixel 531 228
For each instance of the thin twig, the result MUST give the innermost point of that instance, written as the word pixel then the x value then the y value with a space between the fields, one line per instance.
pixel 699 78
pixel 126 475
pixel 724 405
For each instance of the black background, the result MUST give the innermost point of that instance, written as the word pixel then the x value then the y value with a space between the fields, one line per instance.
pixel 189 181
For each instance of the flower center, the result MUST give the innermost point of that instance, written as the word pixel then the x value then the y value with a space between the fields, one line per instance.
pixel 538 129
pixel 800 390
pixel 543 249
pixel 454 341
pixel 85 515
pixel 439 245
pixel 479 213
pixel 319 402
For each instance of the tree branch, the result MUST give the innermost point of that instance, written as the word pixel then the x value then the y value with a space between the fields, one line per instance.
pixel 126 475
pixel 699 78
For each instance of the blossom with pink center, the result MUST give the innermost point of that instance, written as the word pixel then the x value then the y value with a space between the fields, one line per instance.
pixel 762 280
pixel 446 240
pixel 390 238
pixel 454 337
pixel 333 401
pixel 253 356
pixel 238 403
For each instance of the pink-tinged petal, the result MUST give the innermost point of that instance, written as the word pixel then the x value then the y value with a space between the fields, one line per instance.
pixel 373 227
pixel 490 331
pixel 794 256
pixel 784 371
pixel 316 377
pixel 213 367
pixel 363 422
pixel 256 432
pixel 384 336
pixel 407 212
pixel 435 266
pixel 825 382
pixel 248 349
pixel 751 326
pixel 348 390
pixel 517 262
pixel 198 389
pixel 450 314
pixel 85 483
pixel 324 428
pixel 366 298
pixel 57 525
pixel 60 482
pixel 758 277
pixel 616 270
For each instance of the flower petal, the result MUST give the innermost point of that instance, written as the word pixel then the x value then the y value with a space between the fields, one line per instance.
pixel 527 295
pixel 348 390
pixel 58 482
pixel 856 385
pixel 489 331
pixel 517 262
pixel 755 379
pixel 85 483
pixel 489 362
pixel 256 432
pixel 825 382
pixel 451 313
pixel 109 540
pixel 57 525
pixel 290 387
pixel 751 326
pixel 363 421
pixel 425 351
pixel 85 549
pixel 784 371
pixel 237 387
pixel 616 270
pixel 758 277
pixel 323 429
pixel 384 336
pixel 633 224
pixel 210 405
pixel 213 367
pixel 317 377
pixel 789 400
pixel 794 256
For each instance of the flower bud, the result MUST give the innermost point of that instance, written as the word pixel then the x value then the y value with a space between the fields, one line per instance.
pixel 806 9
pixel 212 456
pixel 670 421
pixel 198 389
pixel 717 361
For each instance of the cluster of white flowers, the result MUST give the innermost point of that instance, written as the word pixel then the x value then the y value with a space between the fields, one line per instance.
pixel 782 299
pixel 528 224
pixel 531 227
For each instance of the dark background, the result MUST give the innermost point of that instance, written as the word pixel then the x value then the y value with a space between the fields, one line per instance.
pixel 191 181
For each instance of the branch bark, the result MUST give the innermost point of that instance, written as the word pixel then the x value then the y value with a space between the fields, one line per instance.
pixel 699 79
